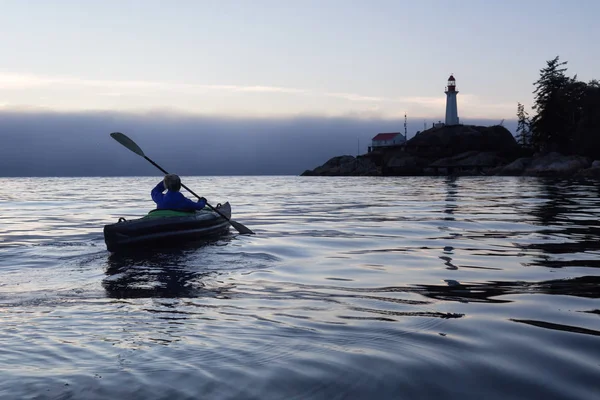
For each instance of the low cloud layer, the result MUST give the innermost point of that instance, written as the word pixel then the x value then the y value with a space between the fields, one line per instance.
pixel 78 144
pixel 73 93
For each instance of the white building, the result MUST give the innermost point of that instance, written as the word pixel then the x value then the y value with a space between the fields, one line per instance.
pixel 387 140
pixel 451 107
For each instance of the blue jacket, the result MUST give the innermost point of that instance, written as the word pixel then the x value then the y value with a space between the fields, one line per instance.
pixel 174 200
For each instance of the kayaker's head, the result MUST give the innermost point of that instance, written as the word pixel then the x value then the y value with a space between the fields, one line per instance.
pixel 172 182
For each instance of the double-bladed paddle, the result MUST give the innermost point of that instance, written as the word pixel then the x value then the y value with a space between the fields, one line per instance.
pixel 131 145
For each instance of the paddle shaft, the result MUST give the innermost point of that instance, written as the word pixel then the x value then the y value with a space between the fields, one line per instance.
pixel 131 145
pixel 185 187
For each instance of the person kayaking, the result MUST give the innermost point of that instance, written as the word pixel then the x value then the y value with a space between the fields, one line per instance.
pixel 174 199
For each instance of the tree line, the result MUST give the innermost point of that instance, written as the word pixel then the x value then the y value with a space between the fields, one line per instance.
pixel 567 114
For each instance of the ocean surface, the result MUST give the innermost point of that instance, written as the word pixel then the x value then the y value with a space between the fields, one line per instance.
pixel 352 288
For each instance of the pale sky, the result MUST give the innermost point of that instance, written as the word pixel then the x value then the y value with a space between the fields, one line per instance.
pixel 288 58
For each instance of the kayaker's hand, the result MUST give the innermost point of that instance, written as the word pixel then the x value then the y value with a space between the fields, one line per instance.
pixel 201 202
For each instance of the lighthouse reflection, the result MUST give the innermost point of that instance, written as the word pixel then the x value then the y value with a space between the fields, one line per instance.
pixel 451 197
pixel 449 207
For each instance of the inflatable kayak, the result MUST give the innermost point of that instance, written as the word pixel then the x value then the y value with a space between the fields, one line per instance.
pixel 166 227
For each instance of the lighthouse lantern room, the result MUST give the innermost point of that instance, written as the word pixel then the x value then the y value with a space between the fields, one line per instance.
pixel 451 106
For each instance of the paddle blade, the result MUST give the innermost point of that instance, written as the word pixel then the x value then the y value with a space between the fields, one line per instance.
pixel 125 141
pixel 241 228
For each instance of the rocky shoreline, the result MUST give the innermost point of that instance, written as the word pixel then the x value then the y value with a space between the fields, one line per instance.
pixel 459 150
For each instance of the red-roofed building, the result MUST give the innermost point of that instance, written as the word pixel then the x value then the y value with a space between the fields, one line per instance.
pixel 387 140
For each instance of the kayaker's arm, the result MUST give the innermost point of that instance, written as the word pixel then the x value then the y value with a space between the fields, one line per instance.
pixel 157 192
pixel 199 205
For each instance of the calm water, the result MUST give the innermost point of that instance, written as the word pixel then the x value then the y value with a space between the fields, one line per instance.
pixel 352 288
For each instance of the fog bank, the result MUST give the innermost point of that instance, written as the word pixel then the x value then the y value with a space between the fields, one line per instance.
pixel 78 144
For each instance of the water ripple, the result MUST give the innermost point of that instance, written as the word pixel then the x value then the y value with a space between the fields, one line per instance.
pixel 413 287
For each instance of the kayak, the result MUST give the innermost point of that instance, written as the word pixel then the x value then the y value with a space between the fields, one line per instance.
pixel 166 227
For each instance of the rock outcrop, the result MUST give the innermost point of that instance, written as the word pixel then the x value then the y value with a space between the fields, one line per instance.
pixel 471 162
pixel 345 166
pixel 516 167
pixel 551 164
pixel 459 150
pixel 447 141
pixel 592 172
pixel 402 163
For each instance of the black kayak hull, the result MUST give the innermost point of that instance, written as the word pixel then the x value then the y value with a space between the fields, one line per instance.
pixel 166 231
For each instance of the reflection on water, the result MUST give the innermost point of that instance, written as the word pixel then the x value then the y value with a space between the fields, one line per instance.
pixel 559 327
pixel 168 273
pixel 451 197
pixel 491 292
pixel 159 275
pixel 450 287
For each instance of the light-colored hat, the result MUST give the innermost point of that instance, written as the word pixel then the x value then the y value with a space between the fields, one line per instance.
pixel 172 182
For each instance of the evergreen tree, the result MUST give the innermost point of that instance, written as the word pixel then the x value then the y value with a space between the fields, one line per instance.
pixel 549 124
pixel 587 134
pixel 567 113
pixel 523 130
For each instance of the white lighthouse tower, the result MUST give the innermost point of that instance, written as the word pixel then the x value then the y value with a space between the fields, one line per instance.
pixel 451 108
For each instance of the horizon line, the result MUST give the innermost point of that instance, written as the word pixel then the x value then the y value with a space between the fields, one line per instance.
pixel 179 112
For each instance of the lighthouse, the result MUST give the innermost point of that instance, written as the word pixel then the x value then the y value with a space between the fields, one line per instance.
pixel 451 108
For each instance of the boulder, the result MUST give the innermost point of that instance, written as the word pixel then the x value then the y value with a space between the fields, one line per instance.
pixel 555 164
pixel 589 173
pixel 592 172
pixel 515 168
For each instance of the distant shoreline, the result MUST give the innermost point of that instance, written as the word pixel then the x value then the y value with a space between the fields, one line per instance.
pixel 459 150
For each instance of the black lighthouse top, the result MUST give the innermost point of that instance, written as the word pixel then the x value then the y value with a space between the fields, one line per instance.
pixel 451 84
